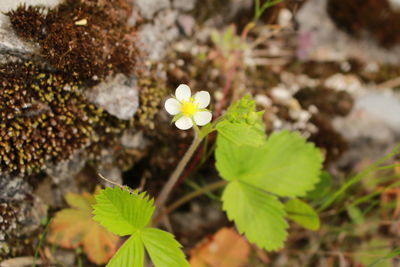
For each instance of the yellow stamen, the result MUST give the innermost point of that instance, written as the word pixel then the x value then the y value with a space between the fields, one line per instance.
pixel 188 108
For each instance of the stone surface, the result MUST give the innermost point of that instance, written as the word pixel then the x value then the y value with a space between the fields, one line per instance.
pixel 157 36
pixel 185 5
pixel 319 39
pixel 372 128
pixel 117 95
pixel 20 214
pixel 149 8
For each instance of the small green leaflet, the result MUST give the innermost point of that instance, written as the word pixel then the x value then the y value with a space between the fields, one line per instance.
pixel 161 245
pixel 122 212
pixel 125 213
pixel 258 215
pixel 131 253
pixel 302 213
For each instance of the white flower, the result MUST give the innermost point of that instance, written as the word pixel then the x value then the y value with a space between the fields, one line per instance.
pixel 189 110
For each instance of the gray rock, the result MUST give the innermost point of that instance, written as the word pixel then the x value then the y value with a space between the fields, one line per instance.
pixel 185 5
pixel 372 128
pixel 65 170
pixel 148 8
pixel 319 39
pixel 157 36
pixel 385 107
pixel 117 95
pixel 21 212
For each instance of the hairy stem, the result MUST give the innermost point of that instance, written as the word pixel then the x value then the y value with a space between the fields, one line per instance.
pixel 173 179
pixel 188 197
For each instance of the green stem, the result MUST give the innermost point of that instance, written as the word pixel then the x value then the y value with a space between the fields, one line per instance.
pixel 373 167
pixel 173 179
pixel 188 197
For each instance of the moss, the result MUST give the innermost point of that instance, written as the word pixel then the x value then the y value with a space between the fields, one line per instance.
pixel 152 92
pixel 375 17
pixel 86 39
pixel 45 119
pixel 45 116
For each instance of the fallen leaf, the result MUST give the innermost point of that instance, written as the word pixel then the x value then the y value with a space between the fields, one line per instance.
pixel 226 248
pixel 74 227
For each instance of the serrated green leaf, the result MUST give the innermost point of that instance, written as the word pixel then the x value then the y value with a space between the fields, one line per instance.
pixel 130 254
pixel 121 212
pixel 257 214
pixel 241 133
pixel 285 165
pixel 302 213
pixel 162 248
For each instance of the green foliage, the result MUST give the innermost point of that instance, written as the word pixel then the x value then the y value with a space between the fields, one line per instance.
pixel 241 133
pixel 302 213
pixel 227 41
pixel 260 9
pixel 355 214
pixel 121 212
pixel 163 249
pixel 244 111
pixel 323 187
pixel 131 253
pixel 259 170
pixel 124 213
pixel 284 165
pixel 242 125
pixel 351 181
pixel 384 259
pixel 258 215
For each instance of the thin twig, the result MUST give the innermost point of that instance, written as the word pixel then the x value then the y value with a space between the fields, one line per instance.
pixel 110 181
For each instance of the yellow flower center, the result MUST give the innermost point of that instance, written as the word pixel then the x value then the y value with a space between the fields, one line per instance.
pixel 188 108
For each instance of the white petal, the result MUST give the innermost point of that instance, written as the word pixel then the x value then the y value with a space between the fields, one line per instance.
pixel 183 93
pixel 202 99
pixel 172 106
pixel 202 117
pixel 184 123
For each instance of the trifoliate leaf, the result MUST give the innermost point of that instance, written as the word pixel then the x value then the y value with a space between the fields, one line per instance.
pixel 163 249
pixel 285 165
pixel 302 213
pixel 130 254
pixel 72 228
pixel 122 212
pixel 257 214
pixel 241 133
pixel 127 213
